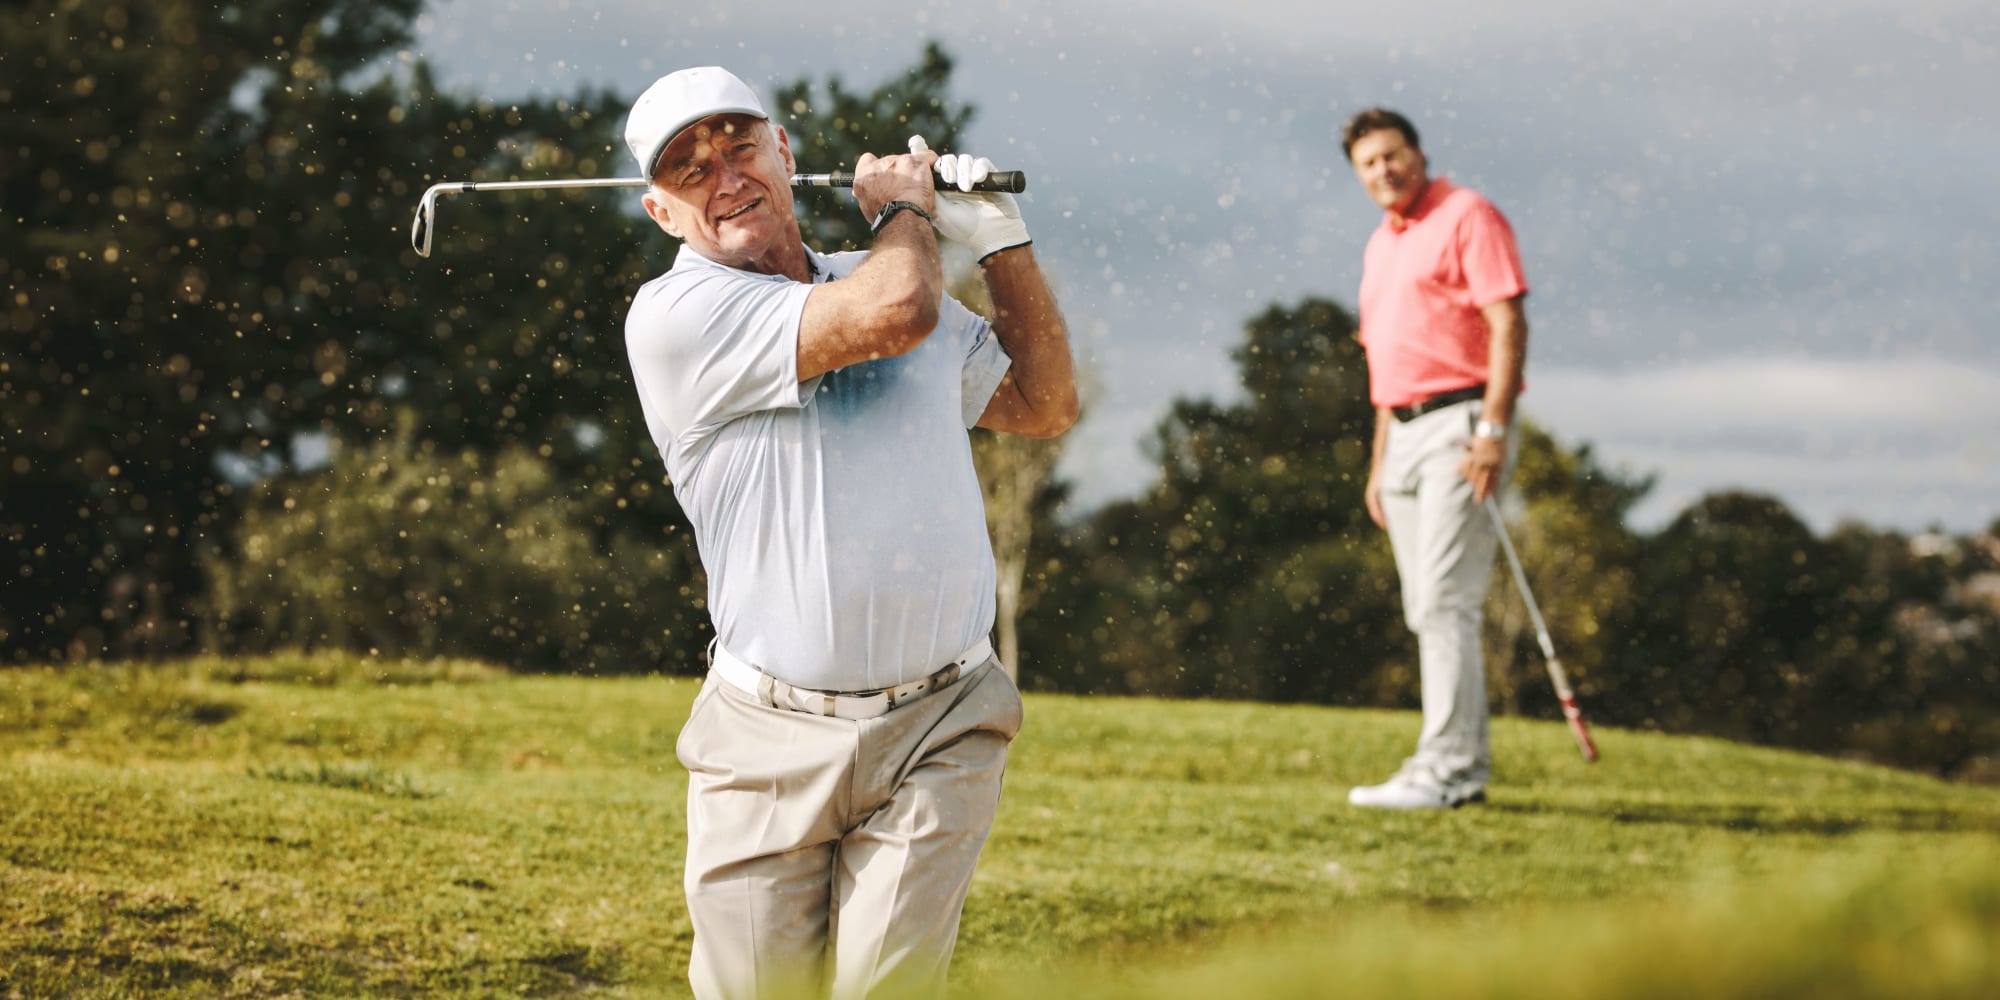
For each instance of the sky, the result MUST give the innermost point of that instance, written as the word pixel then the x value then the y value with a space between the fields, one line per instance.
pixel 1760 236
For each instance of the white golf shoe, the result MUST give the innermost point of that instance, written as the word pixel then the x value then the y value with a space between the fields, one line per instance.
pixel 1418 787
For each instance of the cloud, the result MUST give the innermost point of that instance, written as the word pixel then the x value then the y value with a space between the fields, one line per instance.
pixel 1895 442
pixel 1838 400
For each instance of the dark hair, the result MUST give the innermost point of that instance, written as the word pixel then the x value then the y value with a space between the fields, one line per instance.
pixel 1375 120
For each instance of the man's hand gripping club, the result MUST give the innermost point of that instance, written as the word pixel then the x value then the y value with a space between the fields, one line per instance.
pixel 986 222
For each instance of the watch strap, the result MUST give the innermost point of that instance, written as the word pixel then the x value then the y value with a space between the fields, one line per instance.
pixel 890 209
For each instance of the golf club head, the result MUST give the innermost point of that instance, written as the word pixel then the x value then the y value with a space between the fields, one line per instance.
pixel 422 226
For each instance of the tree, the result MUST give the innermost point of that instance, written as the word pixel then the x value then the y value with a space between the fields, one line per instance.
pixel 162 170
pixel 1736 585
pixel 1244 571
pixel 1752 628
pixel 1906 668
pixel 1015 473
pixel 407 548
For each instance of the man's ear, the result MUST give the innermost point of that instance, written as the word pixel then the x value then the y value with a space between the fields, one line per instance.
pixel 657 209
pixel 785 147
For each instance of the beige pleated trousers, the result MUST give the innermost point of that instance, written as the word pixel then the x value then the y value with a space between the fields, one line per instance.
pixel 833 857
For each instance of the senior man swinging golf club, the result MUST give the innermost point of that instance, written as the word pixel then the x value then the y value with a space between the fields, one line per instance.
pixel 845 753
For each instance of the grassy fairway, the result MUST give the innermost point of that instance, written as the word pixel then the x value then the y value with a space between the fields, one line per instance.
pixel 332 827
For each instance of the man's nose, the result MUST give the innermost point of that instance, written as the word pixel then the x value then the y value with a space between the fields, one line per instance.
pixel 727 176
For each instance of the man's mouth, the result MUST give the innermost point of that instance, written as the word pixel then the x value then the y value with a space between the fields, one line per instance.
pixel 739 210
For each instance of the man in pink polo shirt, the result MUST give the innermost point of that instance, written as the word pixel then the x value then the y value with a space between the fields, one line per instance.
pixel 1443 326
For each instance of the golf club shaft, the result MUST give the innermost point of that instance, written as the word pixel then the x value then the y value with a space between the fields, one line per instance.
pixel 1571 710
pixel 460 187
pixel 1010 181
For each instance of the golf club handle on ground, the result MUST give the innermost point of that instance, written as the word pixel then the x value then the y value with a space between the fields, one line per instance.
pixel 1571 711
pixel 1009 181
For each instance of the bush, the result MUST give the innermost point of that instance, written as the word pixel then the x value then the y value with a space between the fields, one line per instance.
pixel 403 550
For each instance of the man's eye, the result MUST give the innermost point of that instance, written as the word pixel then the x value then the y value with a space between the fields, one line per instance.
pixel 691 175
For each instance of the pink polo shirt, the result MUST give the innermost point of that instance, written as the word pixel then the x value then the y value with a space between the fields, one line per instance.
pixel 1424 277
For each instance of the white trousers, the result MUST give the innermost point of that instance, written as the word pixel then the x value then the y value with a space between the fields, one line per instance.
pixel 1444 545
pixel 829 856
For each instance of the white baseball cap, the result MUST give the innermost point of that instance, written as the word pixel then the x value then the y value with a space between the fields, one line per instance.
pixel 678 100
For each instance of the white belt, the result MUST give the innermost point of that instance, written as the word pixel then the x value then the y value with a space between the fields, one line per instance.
pixel 843 705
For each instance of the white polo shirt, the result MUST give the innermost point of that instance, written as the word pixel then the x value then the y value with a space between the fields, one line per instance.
pixel 840 520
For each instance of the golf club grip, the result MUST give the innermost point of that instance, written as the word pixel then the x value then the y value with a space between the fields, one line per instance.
pixel 1009 181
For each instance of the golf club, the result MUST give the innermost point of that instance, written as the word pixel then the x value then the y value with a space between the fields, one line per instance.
pixel 1563 692
pixel 1010 181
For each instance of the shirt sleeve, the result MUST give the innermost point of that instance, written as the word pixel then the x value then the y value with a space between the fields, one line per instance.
pixel 986 362
pixel 1491 260
pixel 716 347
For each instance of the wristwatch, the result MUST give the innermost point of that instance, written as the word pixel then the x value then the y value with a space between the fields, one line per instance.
pixel 898 206
pixel 1489 429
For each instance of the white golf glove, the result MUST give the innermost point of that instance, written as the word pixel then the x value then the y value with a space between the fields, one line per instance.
pixel 985 222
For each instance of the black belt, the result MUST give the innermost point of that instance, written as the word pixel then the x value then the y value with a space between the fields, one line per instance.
pixel 1437 402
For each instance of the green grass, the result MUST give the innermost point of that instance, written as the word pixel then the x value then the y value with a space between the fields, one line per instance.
pixel 347 827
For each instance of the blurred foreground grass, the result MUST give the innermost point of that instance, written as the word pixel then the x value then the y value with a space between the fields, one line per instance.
pixel 1856 923
pixel 332 826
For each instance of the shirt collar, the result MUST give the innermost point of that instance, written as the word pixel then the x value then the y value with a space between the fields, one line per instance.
pixel 687 257
pixel 1434 191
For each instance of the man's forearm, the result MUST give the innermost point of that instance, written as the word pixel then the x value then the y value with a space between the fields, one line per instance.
pixel 904 254
pixel 1032 331
pixel 886 307
pixel 1381 441
pixel 1506 356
